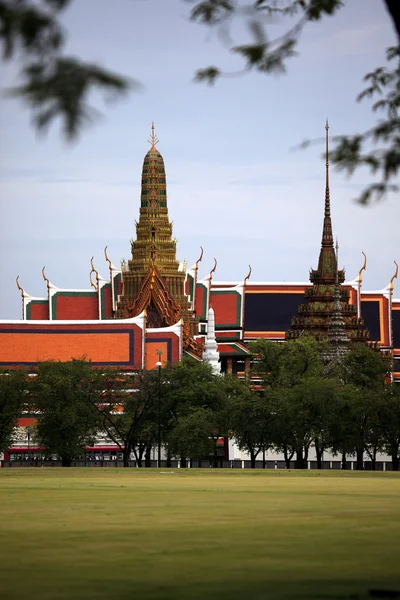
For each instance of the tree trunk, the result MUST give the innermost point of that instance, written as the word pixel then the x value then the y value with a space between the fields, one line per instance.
pixel 252 459
pixel 300 460
pixel 286 457
pixel 65 461
pixel 126 455
pixel 264 461
pixel 139 461
pixel 318 453
pixel 183 463
pixel 372 456
pixel 373 462
pixel 360 459
pixel 147 457
pixel 168 458
pixel 394 455
pixel 215 458
pixel 141 449
pixel 344 461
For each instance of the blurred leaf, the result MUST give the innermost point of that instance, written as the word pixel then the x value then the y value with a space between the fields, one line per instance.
pixel 61 89
pixel 210 74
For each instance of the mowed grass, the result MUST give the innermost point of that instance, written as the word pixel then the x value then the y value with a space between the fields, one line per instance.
pixel 121 534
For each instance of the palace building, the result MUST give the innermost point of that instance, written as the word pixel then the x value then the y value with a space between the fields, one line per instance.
pixel 154 305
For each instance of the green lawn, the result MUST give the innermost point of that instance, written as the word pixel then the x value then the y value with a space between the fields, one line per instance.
pixel 136 534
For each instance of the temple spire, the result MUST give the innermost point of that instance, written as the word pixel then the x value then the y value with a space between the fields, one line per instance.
pixel 327 237
pixel 153 139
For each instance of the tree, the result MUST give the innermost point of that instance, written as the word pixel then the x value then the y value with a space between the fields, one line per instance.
pixel 269 56
pixel 192 435
pixel 126 406
pixel 389 418
pixel 294 372
pixel 63 393
pixel 251 418
pixel 13 386
pixel 193 385
pixel 365 368
pixel 286 365
pixel 317 398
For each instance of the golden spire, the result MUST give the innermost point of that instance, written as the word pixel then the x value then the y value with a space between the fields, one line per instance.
pixel 153 139
pixel 363 268
pixel 391 286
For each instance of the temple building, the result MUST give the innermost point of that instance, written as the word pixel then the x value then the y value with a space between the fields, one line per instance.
pixel 156 300
pixel 154 306
pixel 327 312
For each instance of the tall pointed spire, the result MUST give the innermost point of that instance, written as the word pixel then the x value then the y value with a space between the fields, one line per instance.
pixel 327 237
pixel 326 312
pixel 327 265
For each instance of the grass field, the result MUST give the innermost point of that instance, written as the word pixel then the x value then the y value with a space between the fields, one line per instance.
pixel 121 534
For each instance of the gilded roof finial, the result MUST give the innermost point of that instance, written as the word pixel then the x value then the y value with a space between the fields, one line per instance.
pixel 200 257
pixel 45 278
pixel 363 268
pixel 153 139
pixel 391 286
pixel 19 287
pixel 95 285
pixel 247 276
pixel 213 269
pixel 106 256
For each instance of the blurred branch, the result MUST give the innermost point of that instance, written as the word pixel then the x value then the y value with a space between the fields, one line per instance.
pixel 52 85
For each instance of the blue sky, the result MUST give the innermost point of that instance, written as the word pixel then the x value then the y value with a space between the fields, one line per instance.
pixel 235 184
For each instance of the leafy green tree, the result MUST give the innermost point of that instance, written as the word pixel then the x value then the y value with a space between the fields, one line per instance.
pixel 63 393
pixel 13 386
pixel 356 430
pixel 294 371
pixel 192 385
pixel 192 436
pixel 365 368
pixel 317 397
pixel 377 148
pixel 252 416
pixel 361 374
pixel 286 365
pixel 389 419
pixel 126 406
pixel 294 432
